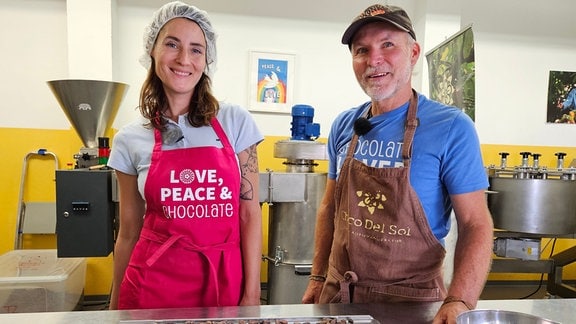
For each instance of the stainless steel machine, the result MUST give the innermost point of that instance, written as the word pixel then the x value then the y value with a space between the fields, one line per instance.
pixel 528 203
pixel 293 197
pixel 86 197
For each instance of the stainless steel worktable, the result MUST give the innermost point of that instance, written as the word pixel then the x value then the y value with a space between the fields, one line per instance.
pixel 560 310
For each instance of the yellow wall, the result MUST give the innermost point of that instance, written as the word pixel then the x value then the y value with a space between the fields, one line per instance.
pixel 40 186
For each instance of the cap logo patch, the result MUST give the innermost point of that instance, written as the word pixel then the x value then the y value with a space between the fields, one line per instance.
pixel 393 15
pixel 373 11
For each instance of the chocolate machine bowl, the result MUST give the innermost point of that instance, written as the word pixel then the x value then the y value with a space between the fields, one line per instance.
pixel 531 199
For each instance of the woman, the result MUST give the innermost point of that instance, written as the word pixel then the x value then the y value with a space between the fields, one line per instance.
pixel 190 220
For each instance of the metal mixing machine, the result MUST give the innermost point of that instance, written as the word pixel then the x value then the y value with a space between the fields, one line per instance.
pixel 530 202
pixel 293 197
pixel 86 195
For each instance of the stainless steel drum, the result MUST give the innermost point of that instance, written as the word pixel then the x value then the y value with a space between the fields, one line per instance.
pixel 293 199
pixel 537 206
pixel 486 316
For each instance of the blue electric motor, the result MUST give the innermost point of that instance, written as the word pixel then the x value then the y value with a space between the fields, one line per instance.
pixel 302 126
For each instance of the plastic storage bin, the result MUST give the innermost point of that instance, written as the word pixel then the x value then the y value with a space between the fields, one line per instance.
pixel 39 281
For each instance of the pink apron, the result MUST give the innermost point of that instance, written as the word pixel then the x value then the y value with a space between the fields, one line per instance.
pixel 383 248
pixel 188 254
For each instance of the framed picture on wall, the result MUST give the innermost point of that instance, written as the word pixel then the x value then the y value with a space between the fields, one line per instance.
pixel 452 72
pixel 271 83
pixel 561 108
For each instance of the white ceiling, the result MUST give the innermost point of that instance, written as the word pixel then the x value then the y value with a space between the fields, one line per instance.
pixel 324 10
pixel 547 18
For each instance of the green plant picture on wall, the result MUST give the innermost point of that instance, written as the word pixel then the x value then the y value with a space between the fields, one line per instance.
pixel 561 97
pixel 451 70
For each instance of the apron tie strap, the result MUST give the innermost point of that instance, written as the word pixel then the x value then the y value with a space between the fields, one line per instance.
pixel 167 243
pixel 350 278
pixel 165 246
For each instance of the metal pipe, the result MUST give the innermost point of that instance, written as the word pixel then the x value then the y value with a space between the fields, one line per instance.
pixel 21 207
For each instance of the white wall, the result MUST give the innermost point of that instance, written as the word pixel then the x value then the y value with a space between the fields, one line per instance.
pixel 34 50
pixel 514 53
pixel 511 89
pixel 323 75
pixel 322 64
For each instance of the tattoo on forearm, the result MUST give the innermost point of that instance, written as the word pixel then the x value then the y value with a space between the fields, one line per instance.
pixel 250 166
pixel 246 189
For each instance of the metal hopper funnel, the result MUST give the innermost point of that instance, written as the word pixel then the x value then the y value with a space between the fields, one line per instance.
pixel 90 105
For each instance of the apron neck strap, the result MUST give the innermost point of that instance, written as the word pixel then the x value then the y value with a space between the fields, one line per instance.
pixel 410 128
pixel 220 132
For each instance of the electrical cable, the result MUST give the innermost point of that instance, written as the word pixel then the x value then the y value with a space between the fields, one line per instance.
pixel 542 275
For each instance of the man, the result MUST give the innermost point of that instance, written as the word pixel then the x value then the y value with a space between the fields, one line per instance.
pixel 398 165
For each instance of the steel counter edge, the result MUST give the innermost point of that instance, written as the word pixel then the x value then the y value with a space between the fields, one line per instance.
pixel 560 310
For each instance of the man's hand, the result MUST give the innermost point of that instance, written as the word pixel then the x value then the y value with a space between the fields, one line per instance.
pixel 447 313
pixel 312 293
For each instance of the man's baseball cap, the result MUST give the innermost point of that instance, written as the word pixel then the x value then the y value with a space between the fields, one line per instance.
pixel 390 14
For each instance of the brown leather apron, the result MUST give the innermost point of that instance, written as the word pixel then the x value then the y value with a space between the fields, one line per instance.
pixel 383 248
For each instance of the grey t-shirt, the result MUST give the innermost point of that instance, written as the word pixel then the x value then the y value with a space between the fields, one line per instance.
pixel 132 146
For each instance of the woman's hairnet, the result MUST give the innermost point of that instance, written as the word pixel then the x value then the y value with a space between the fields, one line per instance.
pixel 179 9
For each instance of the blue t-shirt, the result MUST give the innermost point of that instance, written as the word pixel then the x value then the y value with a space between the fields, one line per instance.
pixel 446 156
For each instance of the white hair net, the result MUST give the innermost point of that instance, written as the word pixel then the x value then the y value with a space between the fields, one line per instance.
pixel 179 9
